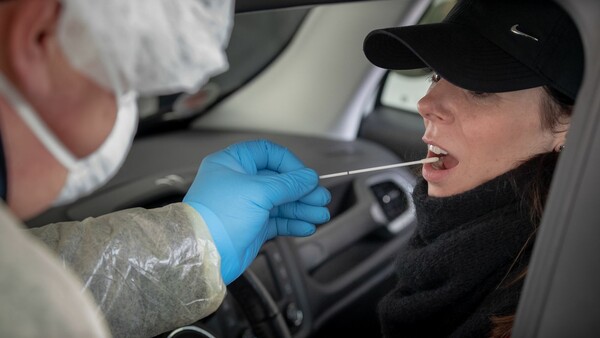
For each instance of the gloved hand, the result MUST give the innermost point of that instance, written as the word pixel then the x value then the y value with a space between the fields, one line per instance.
pixel 252 192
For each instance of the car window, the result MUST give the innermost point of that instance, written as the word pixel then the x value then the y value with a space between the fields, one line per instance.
pixel 402 89
pixel 256 39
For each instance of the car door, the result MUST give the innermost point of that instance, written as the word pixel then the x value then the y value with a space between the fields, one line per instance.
pixel 561 293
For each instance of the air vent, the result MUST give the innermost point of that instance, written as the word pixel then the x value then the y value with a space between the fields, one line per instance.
pixel 391 198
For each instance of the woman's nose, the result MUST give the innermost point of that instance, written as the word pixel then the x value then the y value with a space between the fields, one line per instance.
pixel 433 105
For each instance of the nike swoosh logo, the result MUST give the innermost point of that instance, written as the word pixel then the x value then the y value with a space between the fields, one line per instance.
pixel 515 30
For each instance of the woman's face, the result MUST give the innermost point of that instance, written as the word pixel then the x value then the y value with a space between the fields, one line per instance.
pixel 483 134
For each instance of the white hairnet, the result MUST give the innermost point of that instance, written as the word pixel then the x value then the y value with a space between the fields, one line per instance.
pixel 149 46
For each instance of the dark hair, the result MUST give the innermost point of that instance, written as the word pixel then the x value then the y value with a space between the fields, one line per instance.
pixel 556 107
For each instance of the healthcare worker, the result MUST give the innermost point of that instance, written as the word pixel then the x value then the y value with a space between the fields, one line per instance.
pixel 70 72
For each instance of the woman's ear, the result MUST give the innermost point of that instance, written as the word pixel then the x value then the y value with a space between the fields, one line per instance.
pixel 560 134
pixel 32 45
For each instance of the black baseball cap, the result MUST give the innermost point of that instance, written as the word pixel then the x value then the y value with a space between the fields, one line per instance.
pixel 489 46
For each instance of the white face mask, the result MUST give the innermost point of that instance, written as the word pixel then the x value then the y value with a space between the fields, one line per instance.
pixel 96 169
pixel 86 174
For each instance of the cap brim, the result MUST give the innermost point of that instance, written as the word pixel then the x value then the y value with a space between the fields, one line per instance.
pixel 461 56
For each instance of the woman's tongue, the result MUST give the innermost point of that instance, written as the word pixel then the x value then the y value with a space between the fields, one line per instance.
pixel 445 162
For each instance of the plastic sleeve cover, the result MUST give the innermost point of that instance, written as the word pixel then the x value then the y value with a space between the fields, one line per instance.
pixel 150 271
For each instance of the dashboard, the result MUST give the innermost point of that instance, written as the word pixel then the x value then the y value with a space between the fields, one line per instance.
pixel 309 281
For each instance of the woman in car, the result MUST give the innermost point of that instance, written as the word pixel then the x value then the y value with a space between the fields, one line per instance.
pixel 506 74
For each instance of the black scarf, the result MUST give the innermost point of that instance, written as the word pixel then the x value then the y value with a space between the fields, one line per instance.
pixel 460 266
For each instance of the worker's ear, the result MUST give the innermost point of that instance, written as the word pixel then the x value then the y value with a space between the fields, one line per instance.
pixel 33 45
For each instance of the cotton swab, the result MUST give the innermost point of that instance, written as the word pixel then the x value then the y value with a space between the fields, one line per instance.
pixel 397 165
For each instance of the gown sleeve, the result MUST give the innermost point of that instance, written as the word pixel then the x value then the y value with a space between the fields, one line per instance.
pixel 149 270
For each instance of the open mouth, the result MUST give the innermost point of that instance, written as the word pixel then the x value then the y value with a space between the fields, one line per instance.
pixel 446 161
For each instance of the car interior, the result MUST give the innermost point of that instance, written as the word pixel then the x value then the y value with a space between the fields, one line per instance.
pixel 298 77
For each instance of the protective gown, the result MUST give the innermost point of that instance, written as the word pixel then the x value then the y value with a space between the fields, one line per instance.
pixel 149 270
pixel 38 297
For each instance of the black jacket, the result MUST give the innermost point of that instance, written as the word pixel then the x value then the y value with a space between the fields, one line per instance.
pixel 462 264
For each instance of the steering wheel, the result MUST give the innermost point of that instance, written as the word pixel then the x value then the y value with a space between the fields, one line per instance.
pixel 259 307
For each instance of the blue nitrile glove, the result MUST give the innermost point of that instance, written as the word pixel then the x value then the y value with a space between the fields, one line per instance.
pixel 252 192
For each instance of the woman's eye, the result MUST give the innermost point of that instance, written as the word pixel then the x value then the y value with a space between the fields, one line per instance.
pixel 479 94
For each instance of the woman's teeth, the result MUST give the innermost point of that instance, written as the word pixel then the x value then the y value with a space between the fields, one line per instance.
pixel 437 150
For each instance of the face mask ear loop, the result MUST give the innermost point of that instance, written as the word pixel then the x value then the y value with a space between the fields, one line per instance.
pixel 37 126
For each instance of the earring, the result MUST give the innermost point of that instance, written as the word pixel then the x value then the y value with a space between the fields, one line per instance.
pixel 560 148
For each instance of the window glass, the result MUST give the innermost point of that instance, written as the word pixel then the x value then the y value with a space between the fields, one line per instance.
pixel 402 89
pixel 256 40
